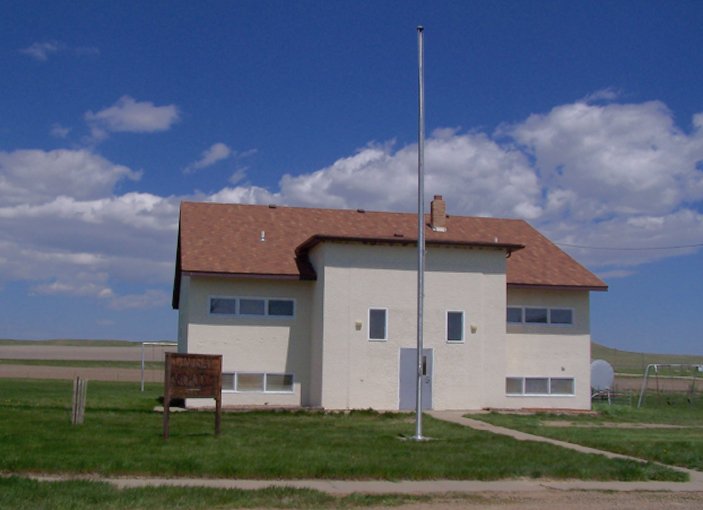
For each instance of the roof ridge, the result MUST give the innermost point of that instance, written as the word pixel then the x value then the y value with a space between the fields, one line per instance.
pixel 350 210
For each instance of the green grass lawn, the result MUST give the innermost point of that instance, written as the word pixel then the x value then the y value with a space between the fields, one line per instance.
pixel 123 436
pixel 22 494
pixel 675 446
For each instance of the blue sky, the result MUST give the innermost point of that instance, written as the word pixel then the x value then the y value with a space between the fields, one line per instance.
pixel 584 118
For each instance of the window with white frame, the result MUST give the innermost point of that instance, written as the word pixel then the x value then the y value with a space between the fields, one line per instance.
pixel 540 386
pixel 257 382
pixel 455 326
pixel 561 316
pixel 540 315
pixel 378 324
pixel 224 306
pixel 514 314
pixel 252 306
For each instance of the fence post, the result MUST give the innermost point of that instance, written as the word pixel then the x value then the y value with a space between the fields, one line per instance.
pixel 80 390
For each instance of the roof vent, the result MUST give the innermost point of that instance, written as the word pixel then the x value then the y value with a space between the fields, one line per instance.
pixel 438 214
pixel 262 236
pixel 361 210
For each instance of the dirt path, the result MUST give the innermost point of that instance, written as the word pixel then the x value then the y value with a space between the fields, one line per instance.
pixel 523 494
pixel 571 500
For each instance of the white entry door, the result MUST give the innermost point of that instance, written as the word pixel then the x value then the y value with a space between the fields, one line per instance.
pixel 408 379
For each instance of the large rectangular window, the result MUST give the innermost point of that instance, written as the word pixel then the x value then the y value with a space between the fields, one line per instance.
pixel 378 324
pixel 252 306
pixel 539 386
pixel 539 315
pixel 455 326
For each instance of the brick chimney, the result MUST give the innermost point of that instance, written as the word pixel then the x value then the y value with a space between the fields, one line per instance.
pixel 438 214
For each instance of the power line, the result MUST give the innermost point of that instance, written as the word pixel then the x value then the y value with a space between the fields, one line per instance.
pixel 646 248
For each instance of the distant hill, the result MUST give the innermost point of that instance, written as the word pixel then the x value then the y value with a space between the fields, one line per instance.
pixel 627 362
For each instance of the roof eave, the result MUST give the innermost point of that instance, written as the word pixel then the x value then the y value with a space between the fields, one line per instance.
pixel 546 286
pixel 316 239
pixel 254 276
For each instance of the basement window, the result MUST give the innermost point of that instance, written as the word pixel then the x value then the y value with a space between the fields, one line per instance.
pixel 539 386
pixel 257 382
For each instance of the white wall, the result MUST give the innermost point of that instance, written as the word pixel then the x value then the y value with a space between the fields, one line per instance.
pixel 252 344
pixel 359 373
pixel 183 314
pixel 536 350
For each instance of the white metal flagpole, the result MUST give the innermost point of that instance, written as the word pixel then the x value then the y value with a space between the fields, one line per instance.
pixel 420 229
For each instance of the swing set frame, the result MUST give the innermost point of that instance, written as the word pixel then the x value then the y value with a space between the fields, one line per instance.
pixel 695 368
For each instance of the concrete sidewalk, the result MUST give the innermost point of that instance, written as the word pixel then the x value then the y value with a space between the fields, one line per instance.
pixel 416 487
pixel 696 477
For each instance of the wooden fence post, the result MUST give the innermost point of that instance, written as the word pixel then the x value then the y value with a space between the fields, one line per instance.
pixel 80 390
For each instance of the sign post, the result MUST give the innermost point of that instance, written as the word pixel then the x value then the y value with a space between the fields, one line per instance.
pixel 193 376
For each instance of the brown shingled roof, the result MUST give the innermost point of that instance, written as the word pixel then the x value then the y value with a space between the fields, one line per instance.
pixel 226 239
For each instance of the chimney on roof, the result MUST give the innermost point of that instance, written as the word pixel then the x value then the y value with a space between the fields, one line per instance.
pixel 438 214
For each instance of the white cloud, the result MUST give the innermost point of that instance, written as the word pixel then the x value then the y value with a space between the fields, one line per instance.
pixel 41 50
pixel 80 284
pixel 619 176
pixel 473 172
pixel 59 131
pixel 29 177
pixel 63 229
pixel 216 152
pixel 150 298
pixel 128 115
pixel 623 159
pixel 606 94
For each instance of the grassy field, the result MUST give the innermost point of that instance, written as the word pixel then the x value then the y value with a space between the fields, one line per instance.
pixel 19 493
pixel 626 362
pixel 72 342
pixel 150 365
pixel 122 435
pixel 667 430
pixel 22 494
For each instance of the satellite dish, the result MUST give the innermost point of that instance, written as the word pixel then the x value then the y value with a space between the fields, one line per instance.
pixel 602 375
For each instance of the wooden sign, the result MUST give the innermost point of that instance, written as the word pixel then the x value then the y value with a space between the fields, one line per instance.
pixel 193 376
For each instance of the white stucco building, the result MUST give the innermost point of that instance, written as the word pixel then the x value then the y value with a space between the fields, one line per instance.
pixel 317 307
